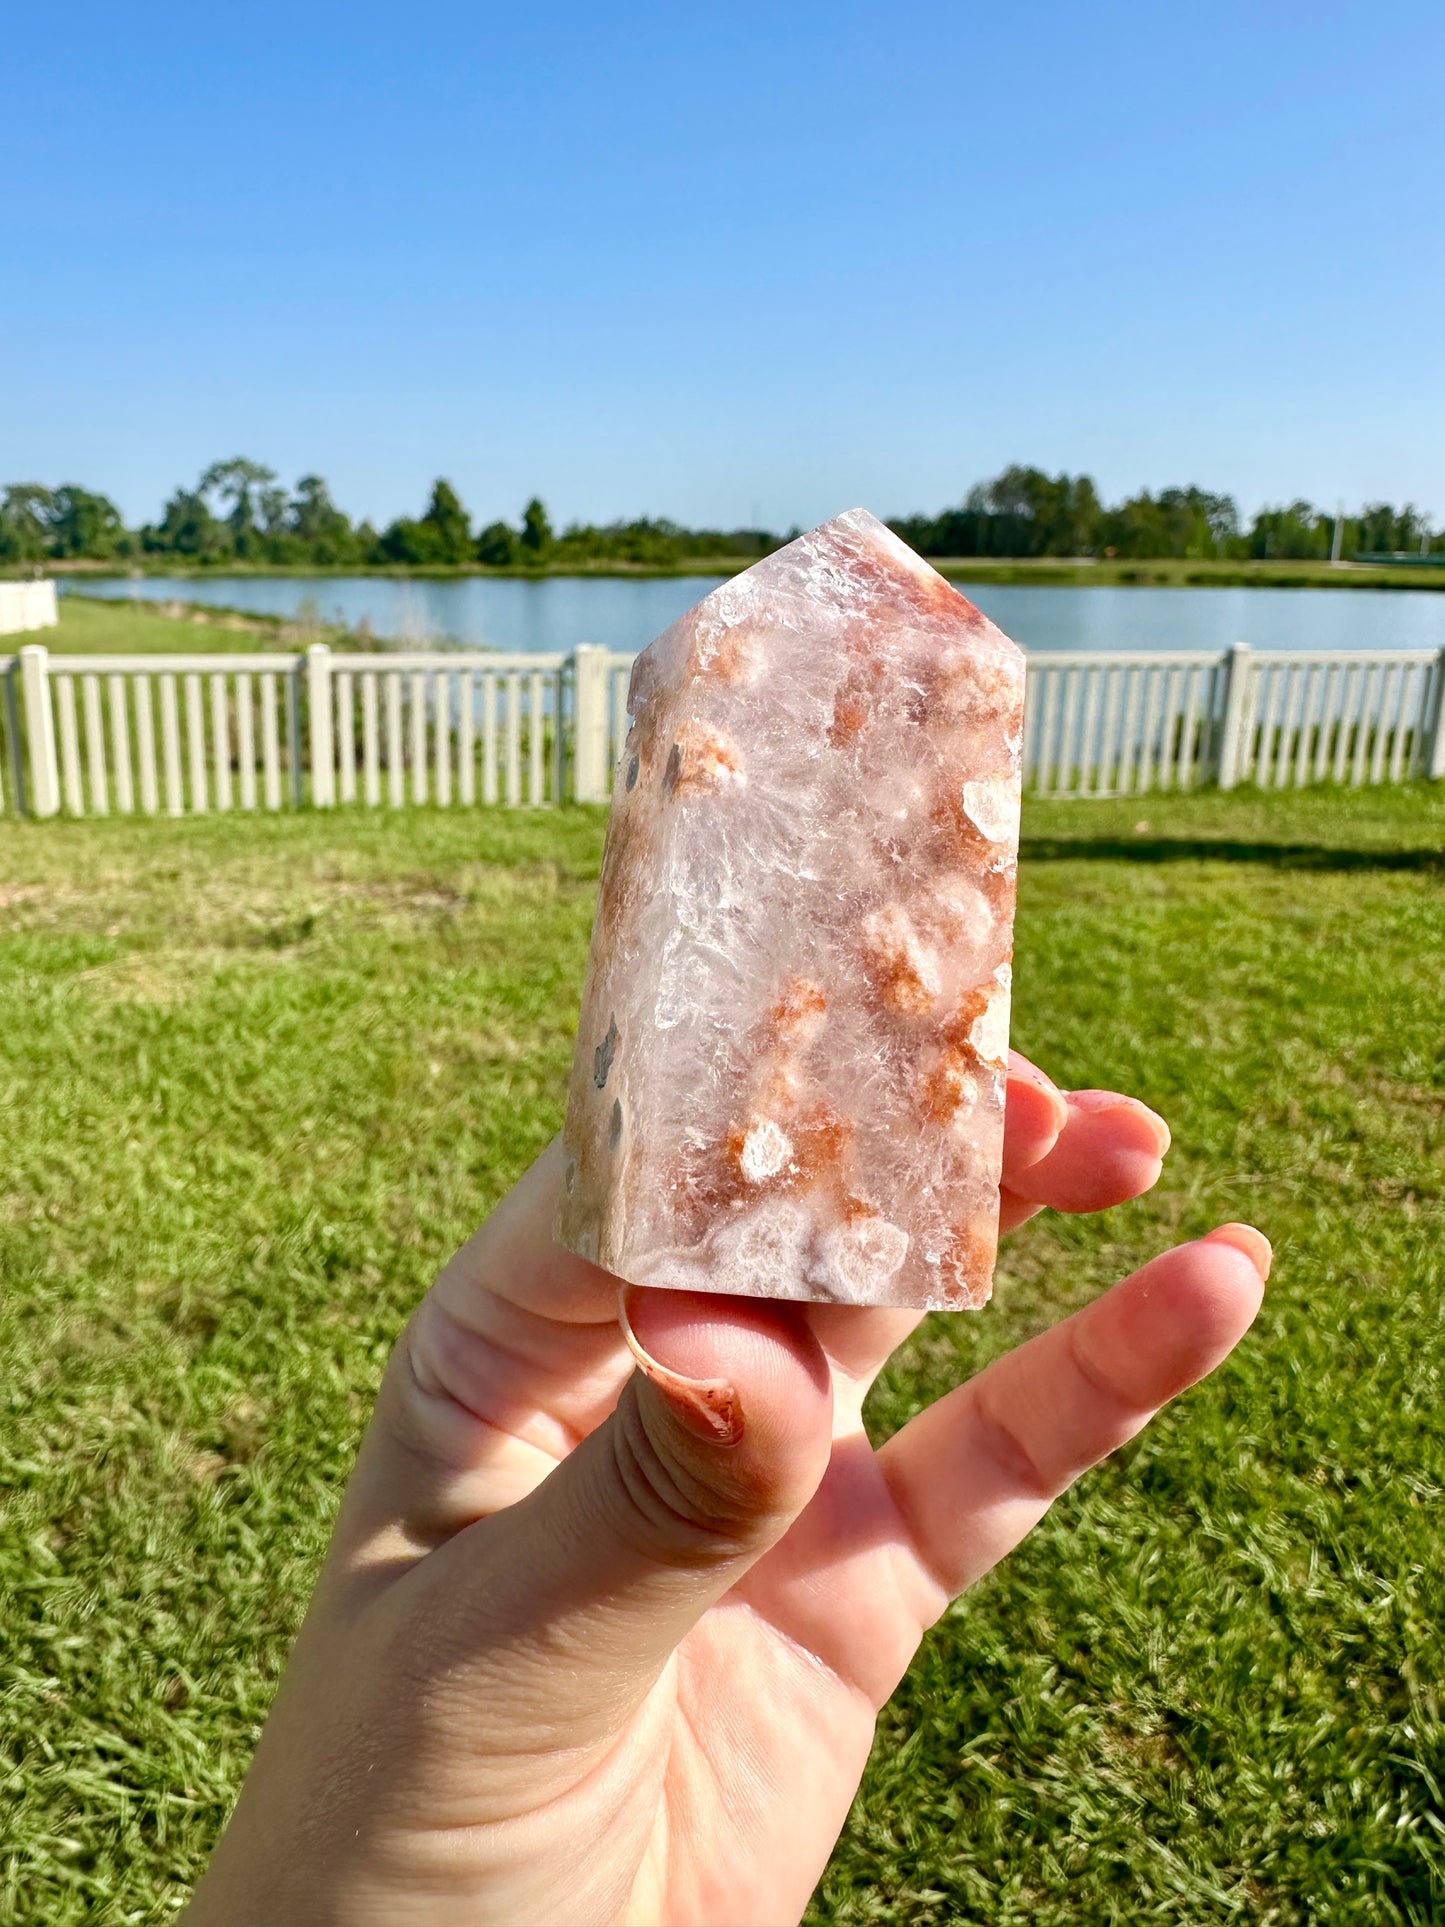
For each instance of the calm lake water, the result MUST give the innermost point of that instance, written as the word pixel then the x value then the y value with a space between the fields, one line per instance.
pixel 558 612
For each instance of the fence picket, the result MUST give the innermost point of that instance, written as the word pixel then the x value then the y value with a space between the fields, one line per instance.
pixel 1050 729
pixel 270 743
pixel 1108 734
pixel 95 746
pixel 1176 686
pixel 1304 742
pixel 489 736
pixel 1360 749
pixel 1270 721
pixel 1324 738
pixel 1069 758
pixel 1189 729
pixel 221 742
pixel 536 742
pixel 1129 740
pixel 1380 745
pixel 344 716
pixel 1266 702
pixel 295 683
pixel 69 746
pixel 1088 782
pixel 1301 740
pixel 171 745
pixel 442 736
pixel 246 740
pixel 120 744
pixel 418 736
pixel 466 738
pixel 1151 753
pixel 395 761
pixel 1403 732
pixel 370 745
pixel 145 745
pixel 1166 710
pixel 1291 726
pixel 559 746
pixel 196 744
pixel 1349 678
pixel 514 739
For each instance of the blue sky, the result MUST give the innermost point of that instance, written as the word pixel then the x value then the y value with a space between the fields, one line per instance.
pixel 724 263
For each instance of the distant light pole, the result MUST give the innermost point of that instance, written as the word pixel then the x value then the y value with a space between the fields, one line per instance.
pixel 1337 539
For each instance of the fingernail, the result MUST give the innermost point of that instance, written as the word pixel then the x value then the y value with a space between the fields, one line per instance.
pixel 1243 1237
pixel 1097 1101
pixel 709 1407
pixel 1021 1071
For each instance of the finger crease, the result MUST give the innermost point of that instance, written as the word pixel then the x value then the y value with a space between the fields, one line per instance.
pixel 429 1384
pixel 1103 1388
pixel 1003 1443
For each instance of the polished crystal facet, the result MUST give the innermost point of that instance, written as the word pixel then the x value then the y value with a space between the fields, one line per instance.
pixel 789 1079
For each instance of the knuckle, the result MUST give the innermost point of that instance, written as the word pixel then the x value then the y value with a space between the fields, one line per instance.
pixel 693 1512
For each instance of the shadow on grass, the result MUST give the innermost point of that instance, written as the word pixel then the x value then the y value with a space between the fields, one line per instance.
pixel 1279 856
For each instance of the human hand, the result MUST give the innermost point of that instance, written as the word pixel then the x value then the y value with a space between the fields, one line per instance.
pixel 602 1645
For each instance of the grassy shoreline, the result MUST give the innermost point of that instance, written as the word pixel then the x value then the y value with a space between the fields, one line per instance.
pixel 1046 572
pixel 92 626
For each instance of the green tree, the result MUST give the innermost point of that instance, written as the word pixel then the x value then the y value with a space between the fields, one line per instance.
pixel 83 523
pixel 1296 532
pixel 1386 530
pixel 411 543
pixel 1023 511
pixel 451 538
pixel 187 527
pixel 319 528
pixel 237 482
pixel 1175 522
pixel 271 509
pixel 536 535
pixel 497 545
pixel 25 513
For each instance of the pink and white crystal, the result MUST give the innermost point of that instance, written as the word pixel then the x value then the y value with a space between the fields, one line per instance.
pixel 789 1079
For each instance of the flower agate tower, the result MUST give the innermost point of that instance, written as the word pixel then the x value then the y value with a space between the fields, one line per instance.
pixel 789 1078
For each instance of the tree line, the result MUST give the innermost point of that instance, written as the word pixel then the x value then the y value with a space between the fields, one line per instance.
pixel 1024 512
pixel 237 512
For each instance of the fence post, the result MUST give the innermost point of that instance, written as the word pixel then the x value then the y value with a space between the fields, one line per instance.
pixel 318 716
pixel 1231 728
pixel 1435 728
pixel 40 728
pixel 591 777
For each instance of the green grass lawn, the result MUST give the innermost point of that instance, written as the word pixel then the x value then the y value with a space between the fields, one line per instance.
pixel 91 627
pixel 261 1076
pixel 1191 572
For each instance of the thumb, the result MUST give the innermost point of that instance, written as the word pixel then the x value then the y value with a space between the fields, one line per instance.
pixel 718 1442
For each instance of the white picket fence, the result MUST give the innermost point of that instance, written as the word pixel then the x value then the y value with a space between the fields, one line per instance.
pixel 189 733
pixel 1111 724
pixel 27 605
